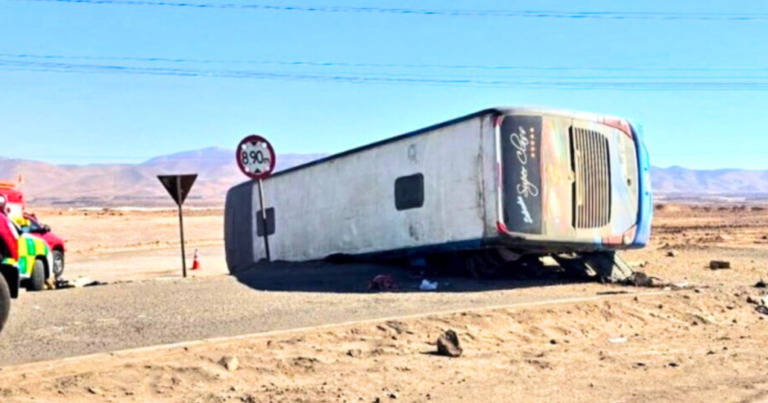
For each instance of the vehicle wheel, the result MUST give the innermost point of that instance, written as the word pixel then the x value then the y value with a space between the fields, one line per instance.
pixel 574 267
pixel 5 302
pixel 58 263
pixel 485 264
pixel 609 266
pixel 37 281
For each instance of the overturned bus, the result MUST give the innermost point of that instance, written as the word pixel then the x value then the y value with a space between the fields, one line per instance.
pixel 487 189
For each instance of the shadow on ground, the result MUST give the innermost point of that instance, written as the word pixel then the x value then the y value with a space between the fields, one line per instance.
pixel 356 278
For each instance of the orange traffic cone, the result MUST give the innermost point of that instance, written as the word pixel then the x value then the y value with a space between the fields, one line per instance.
pixel 195 262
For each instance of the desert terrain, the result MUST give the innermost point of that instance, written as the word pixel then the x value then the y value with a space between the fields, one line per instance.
pixel 135 244
pixel 315 333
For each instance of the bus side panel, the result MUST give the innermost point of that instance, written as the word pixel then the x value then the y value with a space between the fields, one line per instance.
pixel 238 227
pixel 347 205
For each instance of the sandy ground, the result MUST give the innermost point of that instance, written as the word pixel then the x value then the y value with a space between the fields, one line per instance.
pixel 685 346
pixel 703 344
pixel 137 245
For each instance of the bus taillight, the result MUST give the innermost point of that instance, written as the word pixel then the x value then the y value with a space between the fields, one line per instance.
pixel 617 240
pixel 618 124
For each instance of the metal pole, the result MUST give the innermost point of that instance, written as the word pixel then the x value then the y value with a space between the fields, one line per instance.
pixel 263 215
pixel 181 228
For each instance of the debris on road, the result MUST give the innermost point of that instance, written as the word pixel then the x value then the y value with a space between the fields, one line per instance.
pixel 640 279
pixel 383 282
pixel 681 285
pixel 761 284
pixel 79 282
pixel 618 340
pixel 448 344
pixel 612 292
pixel 672 253
pixel 719 264
pixel 751 300
pixel 230 363
pixel 427 285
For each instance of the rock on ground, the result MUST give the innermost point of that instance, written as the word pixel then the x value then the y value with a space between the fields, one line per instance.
pixel 719 264
pixel 230 363
pixel 448 344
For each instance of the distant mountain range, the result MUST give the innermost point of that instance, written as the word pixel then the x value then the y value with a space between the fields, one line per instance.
pixel 691 182
pixel 133 184
pixel 137 184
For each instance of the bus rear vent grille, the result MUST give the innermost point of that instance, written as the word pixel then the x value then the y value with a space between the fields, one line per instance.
pixel 592 187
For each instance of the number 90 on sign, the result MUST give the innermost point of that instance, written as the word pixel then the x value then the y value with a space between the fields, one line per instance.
pixel 255 157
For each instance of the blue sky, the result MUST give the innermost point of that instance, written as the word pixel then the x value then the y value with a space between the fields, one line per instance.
pixel 88 117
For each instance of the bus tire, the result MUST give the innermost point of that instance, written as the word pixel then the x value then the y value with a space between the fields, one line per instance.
pixel 5 302
pixel 37 281
pixel 609 266
pixel 574 267
pixel 485 264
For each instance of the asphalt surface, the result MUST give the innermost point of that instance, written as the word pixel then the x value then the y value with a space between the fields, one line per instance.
pixel 64 323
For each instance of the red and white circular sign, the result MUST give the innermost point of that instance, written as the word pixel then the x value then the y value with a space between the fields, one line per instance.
pixel 256 157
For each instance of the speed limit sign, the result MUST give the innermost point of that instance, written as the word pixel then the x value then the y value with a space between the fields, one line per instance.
pixel 256 157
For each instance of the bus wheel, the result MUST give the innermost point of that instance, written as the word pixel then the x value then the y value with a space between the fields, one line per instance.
pixel 486 263
pixel 609 266
pixel 37 281
pixel 574 266
pixel 5 301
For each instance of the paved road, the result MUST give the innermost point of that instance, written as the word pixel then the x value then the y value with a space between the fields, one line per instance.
pixel 56 324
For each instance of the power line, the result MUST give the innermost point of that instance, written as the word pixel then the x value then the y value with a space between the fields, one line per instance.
pixel 591 83
pixel 613 15
pixel 381 65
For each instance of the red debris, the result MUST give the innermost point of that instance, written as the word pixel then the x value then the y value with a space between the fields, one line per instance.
pixel 383 283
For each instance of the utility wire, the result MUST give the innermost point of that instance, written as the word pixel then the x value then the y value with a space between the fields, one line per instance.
pixel 595 83
pixel 379 65
pixel 614 15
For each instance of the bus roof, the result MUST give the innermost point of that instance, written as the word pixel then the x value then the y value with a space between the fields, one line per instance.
pixel 501 110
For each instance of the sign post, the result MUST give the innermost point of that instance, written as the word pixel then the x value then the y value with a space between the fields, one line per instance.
pixel 256 159
pixel 263 215
pixel 178 186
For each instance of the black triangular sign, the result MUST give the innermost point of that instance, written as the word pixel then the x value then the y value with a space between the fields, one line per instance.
pixel 172 185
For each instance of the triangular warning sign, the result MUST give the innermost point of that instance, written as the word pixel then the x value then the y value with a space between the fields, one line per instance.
pixel 178 186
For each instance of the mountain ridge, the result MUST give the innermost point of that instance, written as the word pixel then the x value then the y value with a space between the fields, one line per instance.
pixel 125 183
